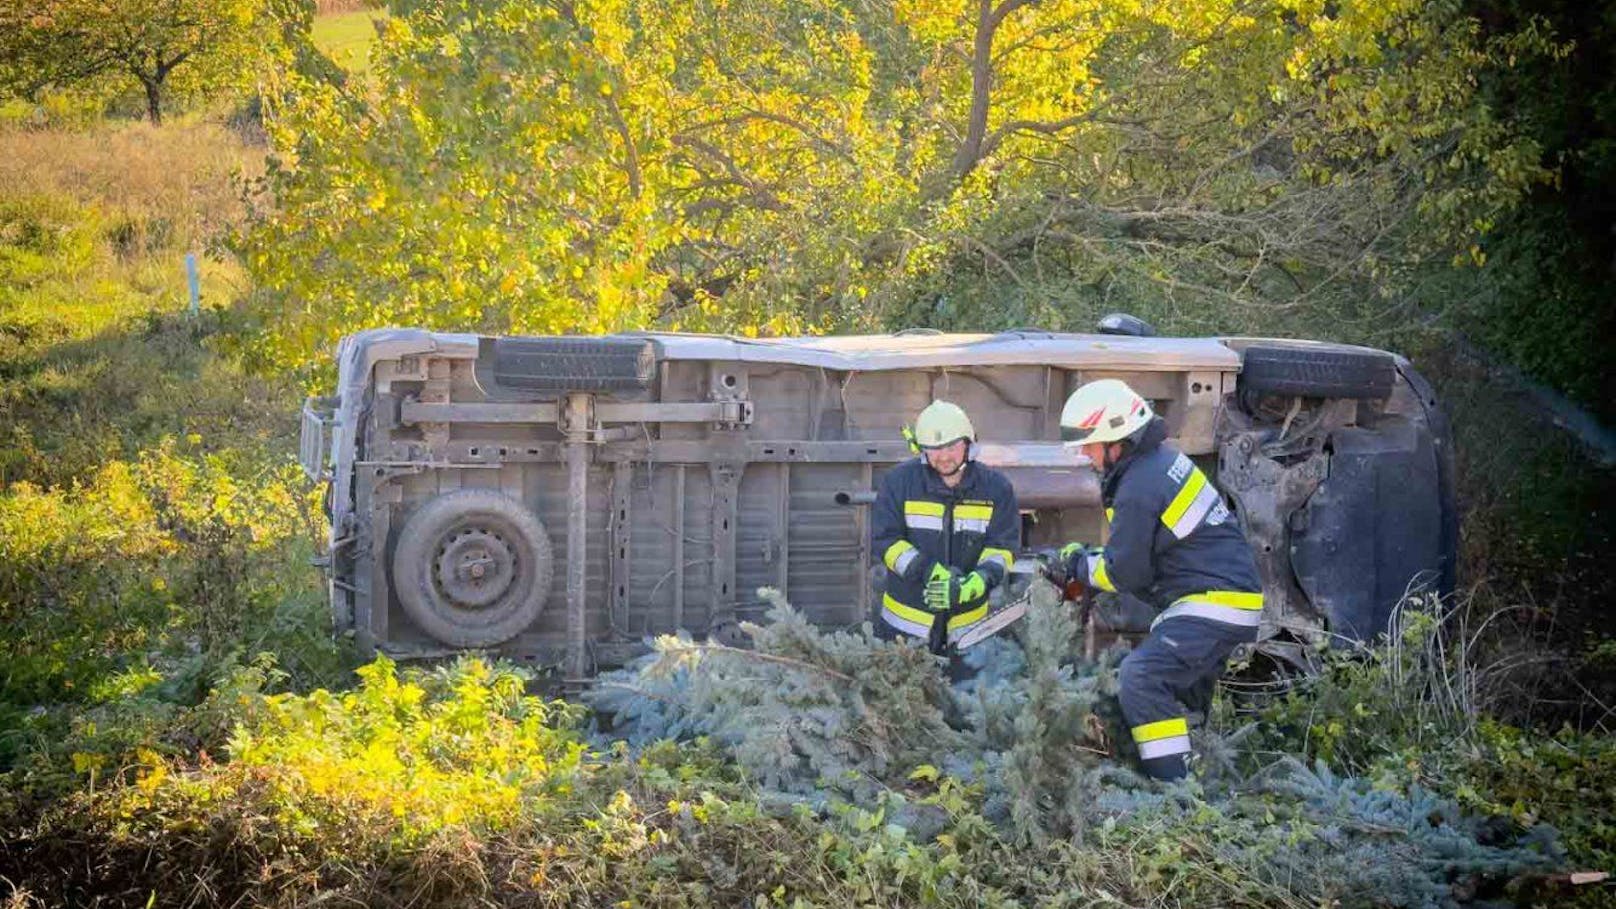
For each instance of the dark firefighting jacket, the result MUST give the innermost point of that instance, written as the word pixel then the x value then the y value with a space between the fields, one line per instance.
pixel 1174 543
pixel 918 522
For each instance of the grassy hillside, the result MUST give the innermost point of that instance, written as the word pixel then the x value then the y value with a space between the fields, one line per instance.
pixel 97 225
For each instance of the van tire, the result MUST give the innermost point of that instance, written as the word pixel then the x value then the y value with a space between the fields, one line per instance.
pixel 1317 372
pixel 472 568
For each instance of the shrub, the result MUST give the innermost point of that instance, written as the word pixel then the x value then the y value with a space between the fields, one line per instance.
pixel 171 567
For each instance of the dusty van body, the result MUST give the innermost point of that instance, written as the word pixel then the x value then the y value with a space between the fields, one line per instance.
pixel 560 499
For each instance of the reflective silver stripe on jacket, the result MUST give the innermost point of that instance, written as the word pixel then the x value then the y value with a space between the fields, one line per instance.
pixel 906 559
pixel 1194 500
pixel 904 625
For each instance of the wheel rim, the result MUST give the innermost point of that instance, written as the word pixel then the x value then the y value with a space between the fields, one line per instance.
pixel 475 567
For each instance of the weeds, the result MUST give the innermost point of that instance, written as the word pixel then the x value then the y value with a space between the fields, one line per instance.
pixel 451 787
pixel 154 534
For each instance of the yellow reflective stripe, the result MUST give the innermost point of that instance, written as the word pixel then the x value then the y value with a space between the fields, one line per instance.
pixel 1002 556
pixel 1206 499
pixel 908 613
pixel 920 506
pixel 980 512
pixel 899 556
pixel 1239 608
pixel 1110 515
pixel 889 614
pixel 1239 599
pixel 1098 575
pixel 1186 497
pixel 922 619
pixel 1161 729
pixel 966 619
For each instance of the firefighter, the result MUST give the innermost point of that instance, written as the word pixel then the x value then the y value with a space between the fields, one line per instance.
pixel 946 527
pixel 1173 544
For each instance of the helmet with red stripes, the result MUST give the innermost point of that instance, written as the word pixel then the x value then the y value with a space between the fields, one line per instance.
pixel 1105 410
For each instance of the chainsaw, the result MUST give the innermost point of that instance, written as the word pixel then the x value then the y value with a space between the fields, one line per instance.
pixel 1050 568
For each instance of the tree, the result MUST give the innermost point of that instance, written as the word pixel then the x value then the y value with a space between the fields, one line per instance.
pixel 64 42
pixel 789 165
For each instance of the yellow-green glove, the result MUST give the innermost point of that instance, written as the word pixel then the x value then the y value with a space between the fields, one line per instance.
pixel 1074 561
pixel 972 587
pixel 941 588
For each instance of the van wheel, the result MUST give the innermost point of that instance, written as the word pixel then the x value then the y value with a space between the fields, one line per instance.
pixel 1316 372
pixel 472 568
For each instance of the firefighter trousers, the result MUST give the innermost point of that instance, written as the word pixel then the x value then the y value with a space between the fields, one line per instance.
pixel 1170 675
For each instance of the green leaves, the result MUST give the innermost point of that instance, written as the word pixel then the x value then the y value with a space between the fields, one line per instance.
pixel 800 165
pixel 66 42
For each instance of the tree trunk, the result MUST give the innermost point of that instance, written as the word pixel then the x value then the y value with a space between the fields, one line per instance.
pixel 154 100
pixel 976 122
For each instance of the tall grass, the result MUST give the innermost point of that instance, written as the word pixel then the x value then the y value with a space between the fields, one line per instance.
pixel 154 529
pixel 94 229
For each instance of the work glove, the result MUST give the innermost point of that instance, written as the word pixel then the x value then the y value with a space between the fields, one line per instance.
pixel 1072 577
pixel 1074 561
pixel 945 593
pixel 971 588
pixel 941 588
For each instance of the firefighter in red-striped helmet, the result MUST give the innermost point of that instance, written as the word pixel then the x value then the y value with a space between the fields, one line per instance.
pixel 1174 544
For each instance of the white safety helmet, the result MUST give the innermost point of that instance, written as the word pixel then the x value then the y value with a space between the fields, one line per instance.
pixel 942 423
pixel 1105 410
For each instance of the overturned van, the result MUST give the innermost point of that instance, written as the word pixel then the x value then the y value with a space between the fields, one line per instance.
pixel 561 499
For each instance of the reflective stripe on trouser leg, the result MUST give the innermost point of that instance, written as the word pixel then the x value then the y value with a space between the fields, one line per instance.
pixel 1149 681
pixel 1162 738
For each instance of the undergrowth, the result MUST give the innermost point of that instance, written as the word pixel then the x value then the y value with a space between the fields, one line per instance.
pixel 452 787
pixel 154 533
pixel 1420 709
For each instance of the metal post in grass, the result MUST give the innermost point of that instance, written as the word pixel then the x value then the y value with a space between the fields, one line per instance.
pixel 193 277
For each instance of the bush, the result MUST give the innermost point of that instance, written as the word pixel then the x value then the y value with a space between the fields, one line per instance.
pixel 1404 710
pixel 450 787
pixel 135 590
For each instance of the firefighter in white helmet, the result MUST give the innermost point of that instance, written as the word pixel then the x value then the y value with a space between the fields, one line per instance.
pixel 947 528
pixel 1174 544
